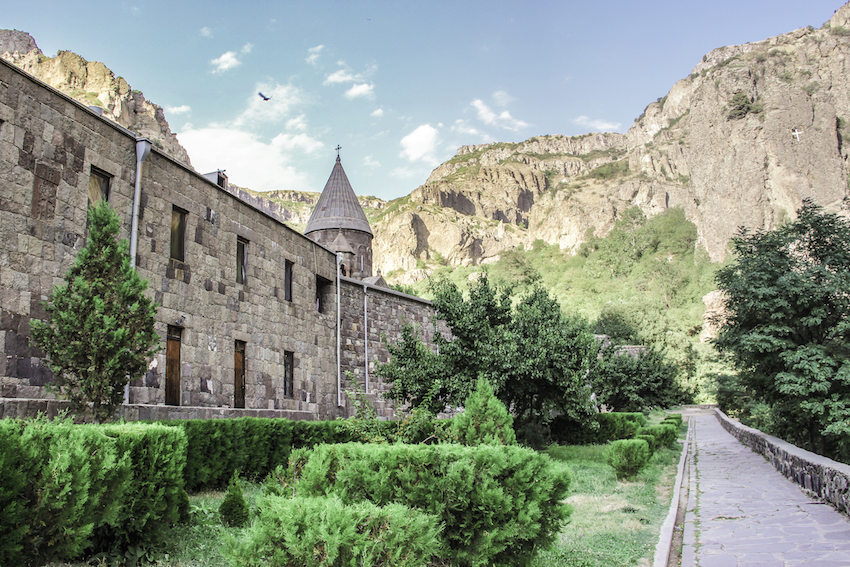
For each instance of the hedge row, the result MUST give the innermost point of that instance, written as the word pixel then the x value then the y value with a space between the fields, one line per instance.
pixel 497 504
pixel 68 489
pixel 253 446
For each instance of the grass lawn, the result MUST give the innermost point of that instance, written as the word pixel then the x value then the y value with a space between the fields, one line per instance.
pixel 614 523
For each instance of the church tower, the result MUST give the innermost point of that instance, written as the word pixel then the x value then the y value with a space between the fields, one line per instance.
pixel 338 223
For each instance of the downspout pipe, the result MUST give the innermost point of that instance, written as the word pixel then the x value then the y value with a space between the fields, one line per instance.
pixel 338 330
pixel 143 149
pixel 366 331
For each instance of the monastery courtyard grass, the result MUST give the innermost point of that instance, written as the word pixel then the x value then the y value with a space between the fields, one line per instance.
pixel 613 523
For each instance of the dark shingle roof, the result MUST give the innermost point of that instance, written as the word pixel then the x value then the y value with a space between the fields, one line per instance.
pixel 338 206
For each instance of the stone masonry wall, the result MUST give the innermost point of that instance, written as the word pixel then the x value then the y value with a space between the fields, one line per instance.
pixel 368 314
pixel 826 478
pixel 48 147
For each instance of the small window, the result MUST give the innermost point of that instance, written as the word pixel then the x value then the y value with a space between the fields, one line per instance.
pixel 98 187
pixel 287 280
pixel 288 371
pixel 241 260
pixel 323 292
pixel 178 234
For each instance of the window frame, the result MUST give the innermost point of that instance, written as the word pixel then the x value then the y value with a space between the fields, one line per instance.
pixel 179 232
pixel 288 374
pixel 287 279
pixel 241 260
pixel 103 188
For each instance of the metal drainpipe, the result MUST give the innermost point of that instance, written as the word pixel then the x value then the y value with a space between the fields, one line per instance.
pixel 143 148
pixel 338 330
pixel 366 332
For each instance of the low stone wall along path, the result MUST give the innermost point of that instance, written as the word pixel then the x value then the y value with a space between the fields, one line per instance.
pixel 741 512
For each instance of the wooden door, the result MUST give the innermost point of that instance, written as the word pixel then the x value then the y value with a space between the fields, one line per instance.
pixel 239 375
pixel 172 366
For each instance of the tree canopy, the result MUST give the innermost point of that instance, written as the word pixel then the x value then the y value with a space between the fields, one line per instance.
pixel 536 358
pixel 99 334
pixel 787 326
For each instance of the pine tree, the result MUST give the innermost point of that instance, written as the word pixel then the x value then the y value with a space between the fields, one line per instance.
pixel 99 334
pixel 485 420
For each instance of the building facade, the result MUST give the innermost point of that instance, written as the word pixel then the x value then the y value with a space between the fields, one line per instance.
pixel 255 318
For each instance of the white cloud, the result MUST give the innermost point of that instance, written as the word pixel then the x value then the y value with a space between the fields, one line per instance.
pixel 249 161
pixel 314 53
pixel 261 112
pixel 406 173
pixel 465 128
pixel 421 145
pixel 502 120
pixel 206 32
pixel 502 98
pixel 227 61
pixel 597 124
pixel 298 123
pixel 361 90
pixel 377 113
pixel 342 76
pixel 369 162
pixel 247 47
pixel 182 109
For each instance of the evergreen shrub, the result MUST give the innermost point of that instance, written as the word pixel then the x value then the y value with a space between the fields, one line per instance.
pixel 69 489
pixel 485 419
pixel 651 441
pixel 628 456
pixel 76 481
pixel 498 504
pixel 156 496
pixel 675 417
pixel 234 510
pixel 325 532
pixel 666 434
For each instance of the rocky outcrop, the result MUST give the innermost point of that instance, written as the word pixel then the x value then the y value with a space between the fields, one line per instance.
pixel 740 142
pixel 93 84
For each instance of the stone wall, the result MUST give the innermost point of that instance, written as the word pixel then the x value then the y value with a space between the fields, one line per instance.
pixel 827 479
pixel 49 146
pixel 369 314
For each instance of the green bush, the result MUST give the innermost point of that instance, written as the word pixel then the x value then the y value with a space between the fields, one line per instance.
pixel 13 507
pixel 666 434
pixel 156 496
pixel 677 417
pixel 628 456
pixel 485 419
pixel 651 441
pixel 76 480
pixel 71 488
pixel 234 510
pixel 319 532
pixel 498 504
pixel 603 427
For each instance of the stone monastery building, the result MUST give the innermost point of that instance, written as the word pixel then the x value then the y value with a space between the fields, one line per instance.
pixel 255 318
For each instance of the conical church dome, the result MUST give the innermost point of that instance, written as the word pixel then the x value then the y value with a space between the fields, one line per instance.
pixel 338 207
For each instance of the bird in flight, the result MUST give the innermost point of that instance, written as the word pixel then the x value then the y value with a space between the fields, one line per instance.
pixel 264 97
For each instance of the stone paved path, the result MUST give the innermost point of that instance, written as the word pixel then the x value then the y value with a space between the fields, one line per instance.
pixel 742 513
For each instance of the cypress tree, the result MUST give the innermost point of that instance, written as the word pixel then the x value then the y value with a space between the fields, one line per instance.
pixel 99 334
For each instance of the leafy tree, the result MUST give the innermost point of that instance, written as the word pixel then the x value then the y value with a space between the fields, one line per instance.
pixel 100 329
pixel 536 358
pixel 787 325
pixel 634 383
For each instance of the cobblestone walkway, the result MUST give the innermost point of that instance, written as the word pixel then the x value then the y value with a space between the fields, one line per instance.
pixel 742 513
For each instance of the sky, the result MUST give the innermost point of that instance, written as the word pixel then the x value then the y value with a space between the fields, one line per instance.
pixel 399 86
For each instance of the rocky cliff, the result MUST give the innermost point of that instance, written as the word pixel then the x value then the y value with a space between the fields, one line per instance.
pixel 741 141
pixel 93 84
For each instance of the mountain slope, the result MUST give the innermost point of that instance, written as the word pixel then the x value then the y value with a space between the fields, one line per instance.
pixel 93 84
pixel 741 141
